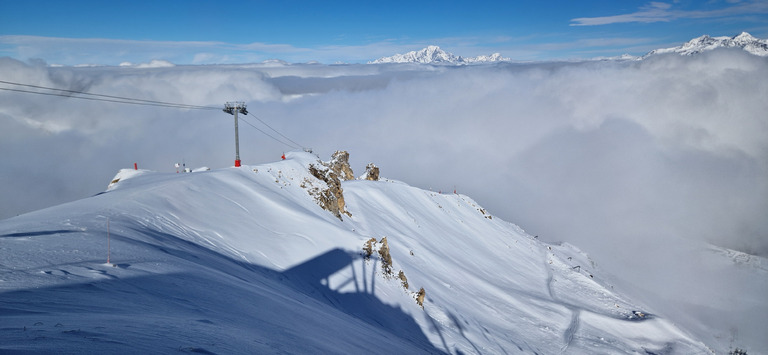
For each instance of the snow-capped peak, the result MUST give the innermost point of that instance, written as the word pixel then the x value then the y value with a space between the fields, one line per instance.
pixel 435 55
pixel 744 40
pixel 746 37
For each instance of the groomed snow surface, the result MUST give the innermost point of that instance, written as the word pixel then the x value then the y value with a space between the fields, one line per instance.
pixel 243 260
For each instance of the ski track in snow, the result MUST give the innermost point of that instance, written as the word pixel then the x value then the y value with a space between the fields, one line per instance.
pixel 236 203
pixel 571 330
pixel 573 326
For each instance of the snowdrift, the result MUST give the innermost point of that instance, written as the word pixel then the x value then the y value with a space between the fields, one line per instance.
pixel 245 260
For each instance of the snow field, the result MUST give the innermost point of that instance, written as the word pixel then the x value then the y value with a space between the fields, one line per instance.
pixel 244 260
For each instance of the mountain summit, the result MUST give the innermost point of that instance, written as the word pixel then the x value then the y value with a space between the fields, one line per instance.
pixel 435 55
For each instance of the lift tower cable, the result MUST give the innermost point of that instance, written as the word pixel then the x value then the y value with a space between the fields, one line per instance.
pixel 233 108
pixel 75 94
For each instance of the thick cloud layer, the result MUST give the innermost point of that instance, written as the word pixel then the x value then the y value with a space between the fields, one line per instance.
pixel 619 158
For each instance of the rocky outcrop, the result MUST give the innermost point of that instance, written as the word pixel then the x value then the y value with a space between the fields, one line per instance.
pixel 386 258
pixel 328 191
pixel 371 247
pixel 403 279
pixel 371 173
pixel 368 248
pixel 339 164
pixel 331 196
pixel 420 297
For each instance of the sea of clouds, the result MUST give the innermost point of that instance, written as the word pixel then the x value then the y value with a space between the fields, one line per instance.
pixel 626 160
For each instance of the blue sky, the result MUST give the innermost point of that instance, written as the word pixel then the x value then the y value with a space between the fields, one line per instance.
pixel 210 32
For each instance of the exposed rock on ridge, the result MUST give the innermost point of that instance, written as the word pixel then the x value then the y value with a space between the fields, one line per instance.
pixel 340 165
pixel 371 173
pixel 387 266
pixel 329 194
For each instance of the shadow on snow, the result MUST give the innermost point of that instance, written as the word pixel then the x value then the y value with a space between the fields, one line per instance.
pixel 217 304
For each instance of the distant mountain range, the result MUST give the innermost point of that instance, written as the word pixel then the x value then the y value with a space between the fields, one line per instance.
pixel 435 55
pixel 704 43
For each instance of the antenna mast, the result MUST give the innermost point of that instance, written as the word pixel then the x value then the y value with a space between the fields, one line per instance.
pixel 233 108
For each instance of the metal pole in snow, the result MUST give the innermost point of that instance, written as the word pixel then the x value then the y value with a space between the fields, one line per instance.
pixel 233 108
pixel 237 142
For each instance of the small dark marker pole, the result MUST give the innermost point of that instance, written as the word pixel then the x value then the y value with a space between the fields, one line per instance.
pixel 108 240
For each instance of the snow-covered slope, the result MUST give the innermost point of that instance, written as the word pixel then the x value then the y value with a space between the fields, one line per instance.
pixel 244 260
pixel 744 41
pixel 435 55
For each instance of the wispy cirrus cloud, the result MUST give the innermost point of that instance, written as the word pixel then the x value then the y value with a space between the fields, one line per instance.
pixel 665 12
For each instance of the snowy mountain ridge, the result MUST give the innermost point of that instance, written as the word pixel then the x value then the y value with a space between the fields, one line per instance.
pixel 435 55
pixel 250 260
pixel 704 43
